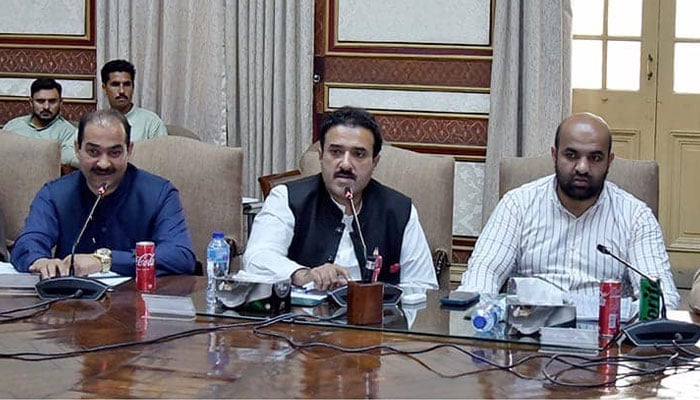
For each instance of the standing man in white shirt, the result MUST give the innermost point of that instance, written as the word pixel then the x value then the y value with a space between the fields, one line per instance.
pixel 118 85
pixel 306 228
pixel 45 120
pixel 550 227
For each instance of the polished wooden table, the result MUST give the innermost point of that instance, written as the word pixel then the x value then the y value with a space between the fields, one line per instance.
pixel 236 362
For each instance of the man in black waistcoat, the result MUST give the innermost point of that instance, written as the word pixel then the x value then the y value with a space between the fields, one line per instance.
pixel 306 229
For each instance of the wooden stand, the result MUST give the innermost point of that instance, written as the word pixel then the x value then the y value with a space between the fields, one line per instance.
pixel 365 303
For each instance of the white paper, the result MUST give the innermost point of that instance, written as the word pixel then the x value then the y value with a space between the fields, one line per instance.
pixel 110 279
pixel 587 307
pixel 169 307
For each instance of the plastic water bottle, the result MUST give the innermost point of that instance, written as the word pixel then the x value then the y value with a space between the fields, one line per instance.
pixel 487 315
pixel 218 255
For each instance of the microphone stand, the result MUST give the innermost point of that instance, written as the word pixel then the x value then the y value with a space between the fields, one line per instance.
pixel 364 272
pixel 71 285
pixel 656 332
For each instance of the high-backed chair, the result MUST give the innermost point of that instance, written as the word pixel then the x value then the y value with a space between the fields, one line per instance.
pixel 428 180
pixel 209 179
pixel 267 182
pixel 639 177
pixel 25 165
pixel 176 130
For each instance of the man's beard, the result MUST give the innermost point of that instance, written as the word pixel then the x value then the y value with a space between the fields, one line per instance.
pixel 567 186
pixel 45 121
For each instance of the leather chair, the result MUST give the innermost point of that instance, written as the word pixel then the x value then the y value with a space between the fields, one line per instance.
pixel 638 177
pixel 209 179
pixel 267 182
pixel 27 164
pixel 428 180
pixel 176 130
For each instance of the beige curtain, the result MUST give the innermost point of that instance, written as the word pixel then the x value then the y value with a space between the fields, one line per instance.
pixel 234 72
pixel 530 83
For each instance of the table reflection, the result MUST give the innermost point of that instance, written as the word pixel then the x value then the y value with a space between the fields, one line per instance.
pixel 428 318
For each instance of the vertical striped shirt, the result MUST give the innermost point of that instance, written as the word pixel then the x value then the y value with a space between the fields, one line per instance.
pixel 532 234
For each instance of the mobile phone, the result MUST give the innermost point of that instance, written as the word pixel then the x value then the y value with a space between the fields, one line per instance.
pixel 458 299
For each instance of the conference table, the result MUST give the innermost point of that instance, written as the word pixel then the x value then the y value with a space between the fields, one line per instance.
pixel 59 353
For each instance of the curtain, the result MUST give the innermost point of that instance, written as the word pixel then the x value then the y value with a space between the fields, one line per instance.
pixel 233 72
pixel 530 83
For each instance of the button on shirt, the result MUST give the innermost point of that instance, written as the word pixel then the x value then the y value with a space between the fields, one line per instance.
pixel 532 234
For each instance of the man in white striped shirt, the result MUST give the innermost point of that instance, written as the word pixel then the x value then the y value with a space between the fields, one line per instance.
pixel 550 227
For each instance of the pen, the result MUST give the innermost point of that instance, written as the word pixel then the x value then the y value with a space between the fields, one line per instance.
pixel 394 269
pixel 377 265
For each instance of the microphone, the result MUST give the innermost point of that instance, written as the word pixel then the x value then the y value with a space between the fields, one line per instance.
pixel 657 332
pixel 71 285
pixel 350 196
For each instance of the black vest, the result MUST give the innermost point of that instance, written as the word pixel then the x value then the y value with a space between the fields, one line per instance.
pixel 319 227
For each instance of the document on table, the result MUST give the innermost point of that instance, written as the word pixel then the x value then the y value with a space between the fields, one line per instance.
pixel 12 280
pixel 169 307
pixel 587 307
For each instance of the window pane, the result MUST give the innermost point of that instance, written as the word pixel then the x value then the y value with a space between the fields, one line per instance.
pixel 587 17
pixel 623 65
pixel 625 18
pixel 687 19
pixel 685 68
pixel 587 64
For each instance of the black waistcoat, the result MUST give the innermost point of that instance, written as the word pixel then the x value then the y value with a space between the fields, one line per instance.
pixel 319 227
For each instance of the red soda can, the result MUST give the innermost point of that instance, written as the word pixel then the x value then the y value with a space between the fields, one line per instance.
pixel 146 266
pixel 609 311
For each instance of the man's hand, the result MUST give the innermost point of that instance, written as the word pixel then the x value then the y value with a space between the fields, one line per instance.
pixel 84 264
pixel 50 267
pixel 328 276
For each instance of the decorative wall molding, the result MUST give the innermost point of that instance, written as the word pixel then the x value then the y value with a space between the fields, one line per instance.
pixel 80 89
pixel 388 28
pixel 411 99
pixel 48 23
pixel 47 61
pixel 439 72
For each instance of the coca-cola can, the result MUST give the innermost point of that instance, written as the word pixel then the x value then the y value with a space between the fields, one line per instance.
pixel 146 266
pixel 609 311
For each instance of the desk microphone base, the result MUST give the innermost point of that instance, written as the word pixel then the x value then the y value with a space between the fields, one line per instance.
pixel 66 286
pixel 662 332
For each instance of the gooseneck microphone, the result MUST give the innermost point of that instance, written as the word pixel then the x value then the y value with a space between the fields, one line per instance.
pixel 605 250
pixel 72 286
pixel 351 197
pixel 654 281
pixel 100 194
pixel 657 332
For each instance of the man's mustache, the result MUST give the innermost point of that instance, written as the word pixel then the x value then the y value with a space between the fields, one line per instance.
pixel 100 171
pixel 344 174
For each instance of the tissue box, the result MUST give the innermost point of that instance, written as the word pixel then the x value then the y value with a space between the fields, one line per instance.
pixel 527 319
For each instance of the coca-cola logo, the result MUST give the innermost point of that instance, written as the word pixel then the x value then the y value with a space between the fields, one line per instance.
pixel 146 260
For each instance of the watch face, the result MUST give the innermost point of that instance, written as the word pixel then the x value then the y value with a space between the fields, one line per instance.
pixel 103 252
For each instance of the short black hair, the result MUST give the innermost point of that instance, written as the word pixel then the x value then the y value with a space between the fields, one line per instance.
pixel 102 115
pixel 117 66
pixel 45 84
pixel 352 117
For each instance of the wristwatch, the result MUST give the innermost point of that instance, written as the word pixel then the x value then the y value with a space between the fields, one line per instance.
pixel 104 256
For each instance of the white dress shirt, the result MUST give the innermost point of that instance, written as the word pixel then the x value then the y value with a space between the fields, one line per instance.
pixel 531 234
pixel 273 230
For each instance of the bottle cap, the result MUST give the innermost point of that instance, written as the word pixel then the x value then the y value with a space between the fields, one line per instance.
pixel 479 322
pixel 217 235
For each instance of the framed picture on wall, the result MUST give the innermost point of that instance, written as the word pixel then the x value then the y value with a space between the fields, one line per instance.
pixel 47 23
